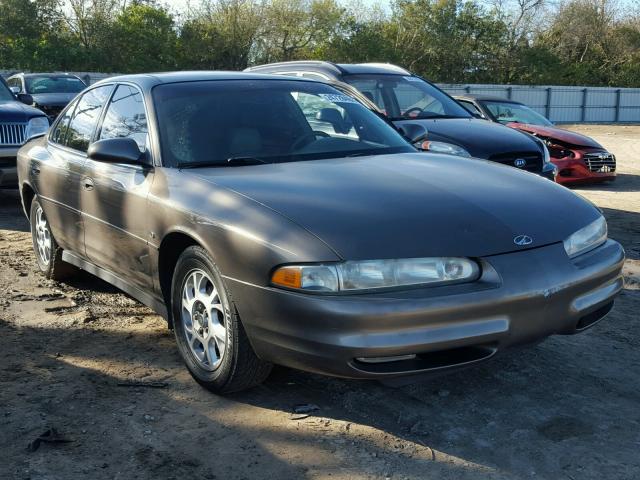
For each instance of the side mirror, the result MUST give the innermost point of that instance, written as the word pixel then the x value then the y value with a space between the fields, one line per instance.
pixel 413 132
pixel 334 117
pixel 15 90
pixel 116 150
pixel 25 98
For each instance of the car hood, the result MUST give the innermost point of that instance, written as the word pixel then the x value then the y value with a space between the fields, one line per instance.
pixel 557 134
pixel 13 111
pixel 53 99
pixel 411 205
pixel 482 139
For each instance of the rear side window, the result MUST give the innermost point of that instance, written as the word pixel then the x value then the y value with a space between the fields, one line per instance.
pixel 125 117
pixel 86 117
pixel 59 133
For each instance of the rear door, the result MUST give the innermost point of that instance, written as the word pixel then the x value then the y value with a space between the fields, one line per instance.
pixel 115 207
pixel 57 175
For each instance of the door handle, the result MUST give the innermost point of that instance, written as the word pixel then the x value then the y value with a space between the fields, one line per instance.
pixel 87 184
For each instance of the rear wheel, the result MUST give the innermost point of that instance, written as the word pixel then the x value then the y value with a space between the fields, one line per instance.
pixel 209 333
pixel 48 252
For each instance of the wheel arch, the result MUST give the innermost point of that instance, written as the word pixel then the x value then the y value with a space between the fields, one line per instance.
pixel 27 194
pixel 170 249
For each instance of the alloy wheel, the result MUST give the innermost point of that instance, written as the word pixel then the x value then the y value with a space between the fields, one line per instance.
pixel 203 319
pixel 43 237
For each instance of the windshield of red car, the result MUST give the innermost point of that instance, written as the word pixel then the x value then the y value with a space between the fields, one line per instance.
pixel 507 112
pixel 53 84
pixel 216 122
pixel 405 96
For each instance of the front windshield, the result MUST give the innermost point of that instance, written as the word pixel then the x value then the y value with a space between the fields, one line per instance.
pixel 5 93
pixel 53 84
pixel 506 112
pixel 269 121
pixel 403 96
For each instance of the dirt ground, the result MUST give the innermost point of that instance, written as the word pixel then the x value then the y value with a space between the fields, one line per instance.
pixel 568 408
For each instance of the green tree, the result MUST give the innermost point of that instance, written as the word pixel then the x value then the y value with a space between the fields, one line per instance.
pixel 221 35
pixel 144 39
pixel 293 29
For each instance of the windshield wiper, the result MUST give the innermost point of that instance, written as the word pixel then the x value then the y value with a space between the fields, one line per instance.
pixel 359 154
pixel 229 162
pixel 245 161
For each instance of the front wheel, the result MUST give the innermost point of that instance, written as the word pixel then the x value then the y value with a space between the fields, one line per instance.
pixel 209 334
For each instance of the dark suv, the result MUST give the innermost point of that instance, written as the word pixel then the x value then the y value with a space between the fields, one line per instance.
pixel 409 99
pixel 18 123
pixel 51 92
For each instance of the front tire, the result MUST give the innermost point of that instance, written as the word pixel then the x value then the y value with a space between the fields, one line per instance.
pixel 48 252
pixel 208 331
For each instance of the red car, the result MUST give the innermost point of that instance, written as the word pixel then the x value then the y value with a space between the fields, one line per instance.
pixel 579 159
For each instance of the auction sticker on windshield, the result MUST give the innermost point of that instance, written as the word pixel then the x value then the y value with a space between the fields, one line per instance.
pixel 337 98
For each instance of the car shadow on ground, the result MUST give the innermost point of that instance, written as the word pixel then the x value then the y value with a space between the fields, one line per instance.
pixel 11 215
pixel 624 182
pixel 624 226
pixel 116 431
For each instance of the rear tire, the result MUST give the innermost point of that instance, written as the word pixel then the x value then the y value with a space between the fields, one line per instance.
pixel 208 331
pixel 48 252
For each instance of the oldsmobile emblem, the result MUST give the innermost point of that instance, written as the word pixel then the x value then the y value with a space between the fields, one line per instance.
pixel 522 240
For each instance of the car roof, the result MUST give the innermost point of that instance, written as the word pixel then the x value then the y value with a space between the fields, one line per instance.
pixel 152 79
pixel 44 74
pixel 334 68
pixel 485 98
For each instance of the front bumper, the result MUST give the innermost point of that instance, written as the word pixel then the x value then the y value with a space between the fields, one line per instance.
pixel 574 171
pixel 521 298
pixel 8 169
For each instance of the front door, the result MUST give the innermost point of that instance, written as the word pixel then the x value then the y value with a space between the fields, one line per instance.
pixel 114 204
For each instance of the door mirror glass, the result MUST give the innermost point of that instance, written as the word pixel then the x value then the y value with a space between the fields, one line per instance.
pixel 116 150
pixel 25 98
pixel 413 132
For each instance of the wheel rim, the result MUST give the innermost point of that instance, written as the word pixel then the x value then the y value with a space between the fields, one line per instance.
pixel 43 237
pixel 204 319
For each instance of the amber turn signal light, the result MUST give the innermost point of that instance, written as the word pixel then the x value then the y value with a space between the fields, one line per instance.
pixel 290 277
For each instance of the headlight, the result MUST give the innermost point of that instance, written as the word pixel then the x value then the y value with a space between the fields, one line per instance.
pixel 36 127
pixel 587 238
pixel 442 147
pixel 376 274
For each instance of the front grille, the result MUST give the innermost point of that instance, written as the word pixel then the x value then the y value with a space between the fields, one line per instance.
pixel 600 162
pixel 529 161
pixel 12 133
